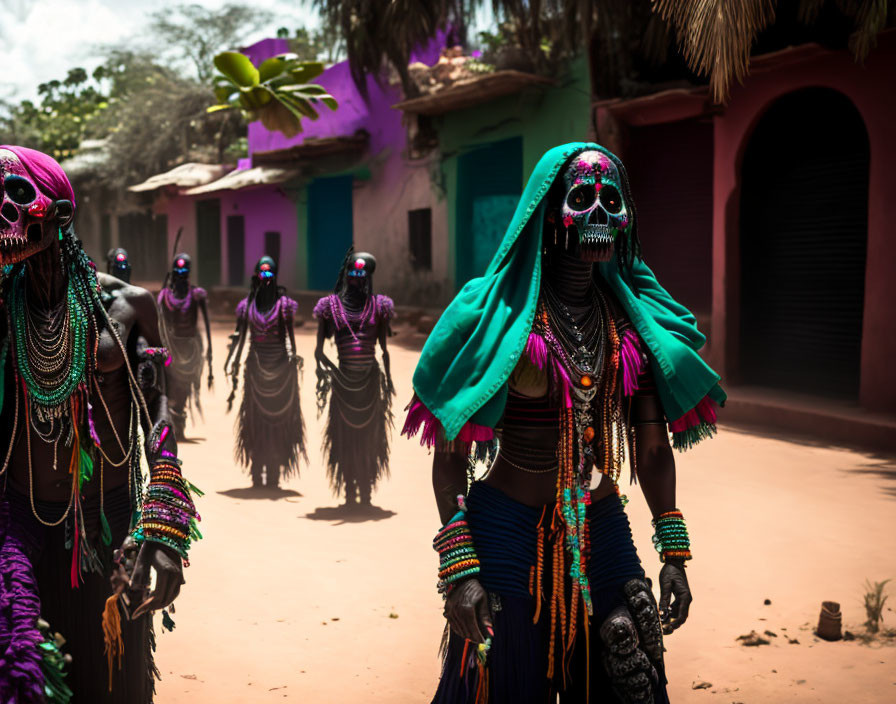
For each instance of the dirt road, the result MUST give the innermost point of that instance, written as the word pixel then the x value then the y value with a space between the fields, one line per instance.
pixel 288 599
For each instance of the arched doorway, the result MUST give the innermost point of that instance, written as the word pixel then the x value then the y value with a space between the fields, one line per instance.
pixel 803 232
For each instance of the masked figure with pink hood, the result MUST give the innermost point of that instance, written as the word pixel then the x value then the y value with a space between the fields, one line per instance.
pixel 81 527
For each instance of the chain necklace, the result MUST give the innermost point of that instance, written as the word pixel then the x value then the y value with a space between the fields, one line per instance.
pixel 529 470
pixel 50 349
pixel 580 345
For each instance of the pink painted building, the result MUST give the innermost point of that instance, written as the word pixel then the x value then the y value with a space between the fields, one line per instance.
pixel 344 180
pixel 772 218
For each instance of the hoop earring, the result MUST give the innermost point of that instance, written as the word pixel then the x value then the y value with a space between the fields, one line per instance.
pixel 555 235
pixel 566 246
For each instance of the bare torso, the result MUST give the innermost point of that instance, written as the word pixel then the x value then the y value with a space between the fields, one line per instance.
pixel 111 409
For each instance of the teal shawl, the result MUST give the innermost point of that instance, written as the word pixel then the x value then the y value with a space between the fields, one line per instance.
pixel 463 369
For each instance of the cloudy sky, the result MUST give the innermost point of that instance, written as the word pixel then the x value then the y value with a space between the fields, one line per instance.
pixel 42 39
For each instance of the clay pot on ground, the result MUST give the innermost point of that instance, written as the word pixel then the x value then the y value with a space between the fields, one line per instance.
pixel 830 622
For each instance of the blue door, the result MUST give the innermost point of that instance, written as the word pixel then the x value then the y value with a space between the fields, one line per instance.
pixel 489 184
pixel 329 229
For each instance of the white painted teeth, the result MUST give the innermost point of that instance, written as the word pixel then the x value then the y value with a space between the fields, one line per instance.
pixel 10 242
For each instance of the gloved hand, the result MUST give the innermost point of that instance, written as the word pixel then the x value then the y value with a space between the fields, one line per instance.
pixel 674 583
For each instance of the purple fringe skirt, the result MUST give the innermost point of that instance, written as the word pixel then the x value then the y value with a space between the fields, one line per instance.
pixel 35 581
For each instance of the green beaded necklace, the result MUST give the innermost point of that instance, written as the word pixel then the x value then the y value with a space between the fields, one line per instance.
pixel 50 398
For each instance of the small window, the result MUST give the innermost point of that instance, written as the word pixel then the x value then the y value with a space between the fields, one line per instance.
pixel 420 238
pixel 272 246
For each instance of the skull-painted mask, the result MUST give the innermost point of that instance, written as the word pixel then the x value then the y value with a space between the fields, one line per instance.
pixel 118 265
pixel 23 212
pixel 181 266
pixel 594 204
pixel 266 270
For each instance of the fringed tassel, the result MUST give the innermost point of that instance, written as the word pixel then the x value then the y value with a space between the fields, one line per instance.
pixel 539 566
pixel 419 417
pixel 632 361
pixel 694 426
pixel 114 645
pixel 537 350
pixel 91 426
pixel 482 684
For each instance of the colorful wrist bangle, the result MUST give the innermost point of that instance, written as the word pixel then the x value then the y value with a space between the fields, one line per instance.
pixel 457 554
pixel 168 515
pixel 670 536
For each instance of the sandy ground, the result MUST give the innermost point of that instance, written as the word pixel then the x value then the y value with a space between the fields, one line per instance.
pixel 289 599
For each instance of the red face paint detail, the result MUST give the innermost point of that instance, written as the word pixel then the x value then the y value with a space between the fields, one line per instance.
pixel 38 209
pixel 359 263
pixel 568 220
pixel 119 257
pixel 265 267
pixel 180 262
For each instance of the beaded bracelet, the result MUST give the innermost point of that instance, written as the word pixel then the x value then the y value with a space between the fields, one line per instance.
pixel 457 555
pixel 168 515
pixel 671 536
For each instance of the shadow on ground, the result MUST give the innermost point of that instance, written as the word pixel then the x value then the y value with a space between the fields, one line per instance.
pixel 350 514
pixel 260 493
pixel 875 463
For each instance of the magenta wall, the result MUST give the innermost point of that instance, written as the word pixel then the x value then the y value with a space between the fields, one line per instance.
pixel 870 88
pixel 376 115
pixel 395 185
pixel 263 209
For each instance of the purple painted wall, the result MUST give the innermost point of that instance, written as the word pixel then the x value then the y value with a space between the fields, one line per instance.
pixel 380 203
pixel 376 115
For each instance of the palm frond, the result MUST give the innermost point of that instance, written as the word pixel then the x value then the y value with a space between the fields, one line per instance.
pixel 716 36
pixel 870 19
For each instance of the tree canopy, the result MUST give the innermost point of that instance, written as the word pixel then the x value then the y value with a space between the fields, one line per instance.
pixel 147 100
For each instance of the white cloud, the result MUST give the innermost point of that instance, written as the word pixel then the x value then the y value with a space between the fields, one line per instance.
pixel 43 39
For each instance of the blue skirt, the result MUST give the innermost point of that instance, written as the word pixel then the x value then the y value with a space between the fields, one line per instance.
pixel 505 534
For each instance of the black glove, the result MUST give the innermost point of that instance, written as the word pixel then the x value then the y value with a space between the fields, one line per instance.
pixel 674 583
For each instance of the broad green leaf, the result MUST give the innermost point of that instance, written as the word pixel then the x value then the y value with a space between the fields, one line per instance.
pixel 307 88
pixel 237 67
pixel 282 118
pixel 303 106
pixel 271 68
pixel 307 71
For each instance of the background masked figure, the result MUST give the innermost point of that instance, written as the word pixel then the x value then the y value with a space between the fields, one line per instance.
pixel 356 439
pixel 180 304
pixel 270 428
pixel 75 386
pixel 569 352
pixel 118 265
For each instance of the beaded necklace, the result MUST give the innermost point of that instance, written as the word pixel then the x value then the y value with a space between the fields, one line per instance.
pixel 173 303
pixel 54 362
pixel 353 319
pixel 50 349
pixel 586 354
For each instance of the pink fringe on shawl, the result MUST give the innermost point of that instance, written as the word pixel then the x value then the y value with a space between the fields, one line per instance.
pixel 419 416
pixel 703 412
pixel 632 360
pixel 537 351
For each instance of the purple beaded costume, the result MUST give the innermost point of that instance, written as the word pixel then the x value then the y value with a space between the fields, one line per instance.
pixel 270 427
pixel 356 438
pixel 178 318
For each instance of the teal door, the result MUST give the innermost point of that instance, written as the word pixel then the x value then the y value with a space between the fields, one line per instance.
pixel 489 184
pixel 329 229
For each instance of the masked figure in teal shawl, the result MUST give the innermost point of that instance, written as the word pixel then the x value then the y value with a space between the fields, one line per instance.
pixel 566 355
